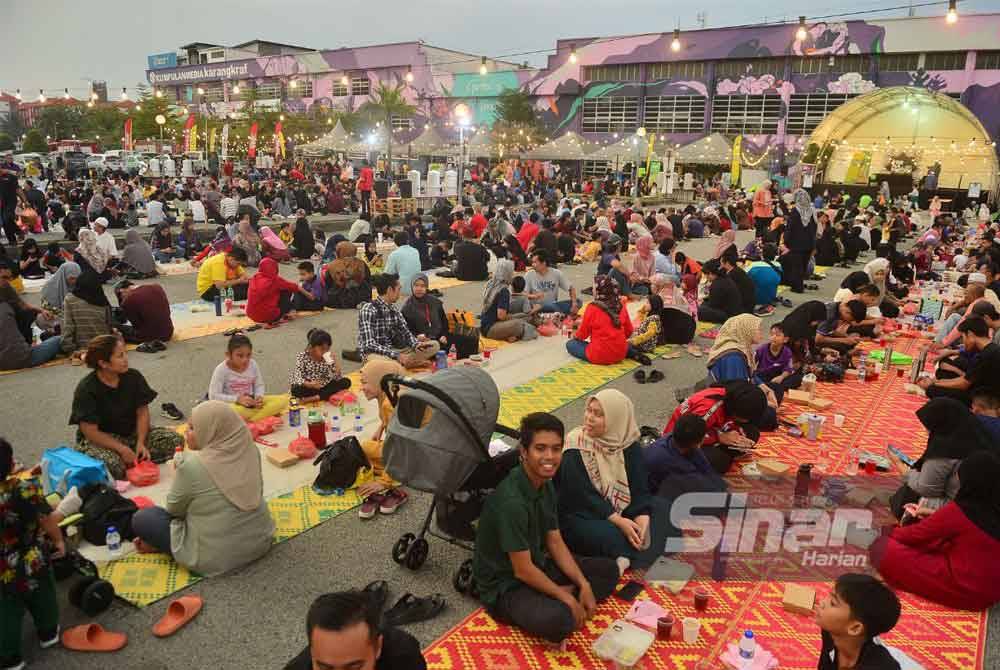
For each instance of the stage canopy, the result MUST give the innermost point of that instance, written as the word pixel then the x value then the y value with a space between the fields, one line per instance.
pixel 429 143
pixel 479 145
pixel 713 149
pixel 568 147
pixel 904 126
pixel 337 139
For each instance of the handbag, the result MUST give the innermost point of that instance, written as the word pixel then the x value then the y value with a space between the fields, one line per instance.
pixel 339 465
pixel 463 332
pixel 63 468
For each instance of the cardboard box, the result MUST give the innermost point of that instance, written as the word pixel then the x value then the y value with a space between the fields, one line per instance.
pixel 795 395
pixel 799 599
pixel 281 457
pixel 851 372
pixel 772 466
pixel 820 403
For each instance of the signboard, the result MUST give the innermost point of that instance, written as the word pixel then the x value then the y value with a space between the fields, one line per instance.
pixel 975 189
pixel 161 61
pixel 233 70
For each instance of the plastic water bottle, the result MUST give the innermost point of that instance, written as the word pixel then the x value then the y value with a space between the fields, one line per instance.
pixel 452 355
pixel 358 427
pixel 178 457
pixel 113 541
pixel 748 645
pixel 441 360
pixel 335 426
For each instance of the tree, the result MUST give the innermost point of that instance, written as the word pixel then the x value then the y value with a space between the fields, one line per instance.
pixel 6 143
pixel 388 102
pixel 106 121
pixel 34 142
pixel 60 121
pixel 514 108
pixel 12 124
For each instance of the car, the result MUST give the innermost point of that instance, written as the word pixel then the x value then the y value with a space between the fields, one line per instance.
pixel 22 160
pixel 133 164
pixel 96 162
pixel 74 162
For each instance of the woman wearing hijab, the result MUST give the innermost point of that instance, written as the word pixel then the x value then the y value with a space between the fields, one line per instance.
pixel 382 493
pixel 606 325
pixel 302 239
pixel 137 256
pixel 272 246
pixel 827 251
pixel 188 240
pixel 86 313
pixel 215 518
pixel 496 320
pixel 516 252
pixel 878 272
pixel 89 255
pixel 800 240
pixel 662 230
pixel 424 313
pixel 605 508
pixel 269 296
pixel 56 289
pixel 249 241
pixel 677 325
pixel 726 240
pixel 163 247
pixel 732 358
pixel 30 261
pixel 643 265
pixel 347 279
pixel 950 556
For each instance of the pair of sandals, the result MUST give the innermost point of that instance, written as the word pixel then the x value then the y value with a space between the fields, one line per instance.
pixel 641 377
pixel 249 329
pixel 408 609
pixel 151 347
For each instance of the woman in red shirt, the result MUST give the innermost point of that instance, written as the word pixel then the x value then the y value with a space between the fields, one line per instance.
pixel 606 323
pixel 269 297
pixel 950 557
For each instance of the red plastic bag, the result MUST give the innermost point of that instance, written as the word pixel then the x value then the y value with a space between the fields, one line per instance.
pixel 303 447
pixel 144 473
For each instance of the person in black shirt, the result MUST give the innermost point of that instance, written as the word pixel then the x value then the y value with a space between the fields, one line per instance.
pixel 471 258
pixel 38 201
pixel 748 292
pixel 858 610
pixel 724 298
pixel 982 374
pixel 344 632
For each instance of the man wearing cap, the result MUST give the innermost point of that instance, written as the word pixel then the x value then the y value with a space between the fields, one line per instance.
pixel 105 240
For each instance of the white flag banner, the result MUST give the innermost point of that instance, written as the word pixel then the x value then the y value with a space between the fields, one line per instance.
pixel 225 142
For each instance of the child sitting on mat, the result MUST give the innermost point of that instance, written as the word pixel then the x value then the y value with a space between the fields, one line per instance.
pixel 647 335
pixel 317 374
pixel 857 610
pixel 238 380
pixel 519 303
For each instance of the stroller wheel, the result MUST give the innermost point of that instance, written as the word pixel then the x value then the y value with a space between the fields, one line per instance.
pixel 417 554
pixel 401 548
pixel 462 581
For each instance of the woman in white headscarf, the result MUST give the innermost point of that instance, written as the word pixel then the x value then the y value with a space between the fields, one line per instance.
pixel 605 508
pixel 215 519
pixel 497 320
pixel 878 272
pixel 57 287
pixel 89 254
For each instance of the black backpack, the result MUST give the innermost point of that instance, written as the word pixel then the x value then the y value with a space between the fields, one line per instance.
pixel 339 464
pixel 102 507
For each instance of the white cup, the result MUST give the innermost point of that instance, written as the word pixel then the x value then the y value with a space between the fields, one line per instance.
pixel 838 420
pixel 691 627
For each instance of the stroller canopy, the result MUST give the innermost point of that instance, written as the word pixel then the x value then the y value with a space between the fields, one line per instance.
pixel 428 445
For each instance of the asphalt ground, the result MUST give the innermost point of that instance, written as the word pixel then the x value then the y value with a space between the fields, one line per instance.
pixel 255 617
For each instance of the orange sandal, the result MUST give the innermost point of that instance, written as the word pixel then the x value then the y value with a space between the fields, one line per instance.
pixel 93 637
pixel 178 614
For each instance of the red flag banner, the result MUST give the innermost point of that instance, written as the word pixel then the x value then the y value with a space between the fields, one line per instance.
pixel 279 141
pixel 252 143
pixel 188 130
pixel 128 135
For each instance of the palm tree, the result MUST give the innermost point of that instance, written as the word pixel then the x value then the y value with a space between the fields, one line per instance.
pixel 388 102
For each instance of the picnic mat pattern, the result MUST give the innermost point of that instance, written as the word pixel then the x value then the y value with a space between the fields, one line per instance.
pixel 938 638
pixel 142 579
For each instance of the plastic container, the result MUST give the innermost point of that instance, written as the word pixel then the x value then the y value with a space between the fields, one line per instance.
pixel 441 360
pixel 748 645
pixel 623 643
pixel 294 414
pixel 316 426
pixel 358 426
pixel 218 304
pixel 452 355
pixel 802 479
pixel 178 457
pixel 665 626
pixel 691 626
pixel 701 596
pixel 335 426
pixel 823 457
pixel 113 541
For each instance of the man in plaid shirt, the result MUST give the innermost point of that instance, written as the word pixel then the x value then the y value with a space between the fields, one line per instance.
pixel 382 330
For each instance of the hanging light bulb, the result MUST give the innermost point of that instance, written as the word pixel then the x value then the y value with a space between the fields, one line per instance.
pixel 41 96
pixel 138 108
pixel 124 94
pixel 675 44
pixel 572 54
pixel 18 95
pixel 801 34
pixel 952 15
pixel 201 91
pixel 409 73
pixel 482 66
pixel 66 93
pixel 344 80
pixel 329 122
pixel 293 84
pixel 90 103
pixel 236 89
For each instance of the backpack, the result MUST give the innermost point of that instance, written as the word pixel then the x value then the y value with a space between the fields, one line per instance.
pixel 102 507
pixel 339 464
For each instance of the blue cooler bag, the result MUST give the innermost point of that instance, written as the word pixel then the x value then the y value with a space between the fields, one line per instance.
pixel 63 468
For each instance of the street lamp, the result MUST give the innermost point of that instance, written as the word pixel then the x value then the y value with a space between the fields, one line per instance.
pixel 462 115
pixel 160 120
pixel 952 15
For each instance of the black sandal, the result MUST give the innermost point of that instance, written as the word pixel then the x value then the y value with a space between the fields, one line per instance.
pixel 378 591
pixel 654 376
pixel 147 348
pixel 639 376
pixel 411 609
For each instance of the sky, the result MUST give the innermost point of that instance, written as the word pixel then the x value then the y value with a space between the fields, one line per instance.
pixel 110 39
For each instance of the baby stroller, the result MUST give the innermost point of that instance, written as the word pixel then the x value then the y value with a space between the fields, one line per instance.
pixel 436 442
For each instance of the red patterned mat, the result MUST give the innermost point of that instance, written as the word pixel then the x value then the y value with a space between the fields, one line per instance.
pixel 876 413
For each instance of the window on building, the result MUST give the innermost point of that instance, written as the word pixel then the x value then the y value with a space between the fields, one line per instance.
pixel 598 169
pixel 202 58
pixel 988 60
pixel 756 67
pixel 622 72
pixel 945 60
pixel 303 89
pixel 746 114
pixel 218 54
pixel 674 114
pixel 898 62
pixel 269 89
pixel 402 123
pixel 807 110
pixel 610 114
pixel 840 64
pixel 339 89
pixel 360 86
pixel 213 92
pixel 694 69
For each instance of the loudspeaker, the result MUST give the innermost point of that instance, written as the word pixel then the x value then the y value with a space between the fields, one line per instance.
pixel 381 189
pixel 405 188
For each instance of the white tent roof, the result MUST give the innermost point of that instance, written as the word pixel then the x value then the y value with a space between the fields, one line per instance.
pixel 337 139
pixel 430 143
pixel 630 148
pixel 367 144
pixel 480 146
pixel 714 149
pixel 568 147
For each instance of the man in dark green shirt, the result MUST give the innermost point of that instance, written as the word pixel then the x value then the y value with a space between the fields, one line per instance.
pixel 525 574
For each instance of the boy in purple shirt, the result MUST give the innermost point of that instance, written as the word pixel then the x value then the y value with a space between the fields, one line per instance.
pixel 774 358
pixel 314 285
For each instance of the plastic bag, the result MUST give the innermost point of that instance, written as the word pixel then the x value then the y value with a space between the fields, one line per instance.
pixel 63 468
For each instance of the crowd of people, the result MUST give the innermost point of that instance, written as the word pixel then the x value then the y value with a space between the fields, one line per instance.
pixel 585 505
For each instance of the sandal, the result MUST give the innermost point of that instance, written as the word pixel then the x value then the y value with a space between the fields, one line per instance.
pixel 178 614
pixel 254 327
pixel 411 609
pixel 147 348
pixel 654 376
pixel 694 350
pixel 378 591
pixel 230 332
pixel 639 376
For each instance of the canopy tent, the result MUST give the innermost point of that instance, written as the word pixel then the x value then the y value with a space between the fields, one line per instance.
pixel 369 142
pixel 337 139
pixel 713 149
pixel 480 145
pixel 429 143
pixel 906 126
pixel 568 147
